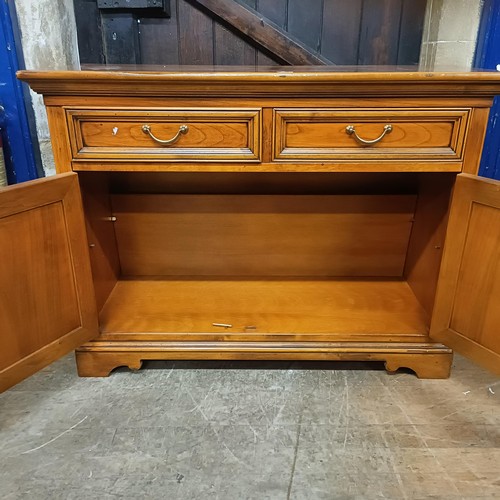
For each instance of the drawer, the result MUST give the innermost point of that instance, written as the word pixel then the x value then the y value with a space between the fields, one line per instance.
pixel 367 134
pixel 203 134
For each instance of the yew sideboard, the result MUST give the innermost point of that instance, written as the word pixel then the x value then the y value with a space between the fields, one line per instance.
pixel 297 214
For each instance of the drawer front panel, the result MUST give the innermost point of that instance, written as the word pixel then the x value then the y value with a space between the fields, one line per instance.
pixel 330 134
pixel 165 135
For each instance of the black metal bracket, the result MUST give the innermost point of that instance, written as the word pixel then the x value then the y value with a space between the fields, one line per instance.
pixel 151 8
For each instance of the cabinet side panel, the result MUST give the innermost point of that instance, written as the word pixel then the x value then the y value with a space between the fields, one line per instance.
pixel 428 235
pixel 101 234
pixel 59 138
pixel 475 140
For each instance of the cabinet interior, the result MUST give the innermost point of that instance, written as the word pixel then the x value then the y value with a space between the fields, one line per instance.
pixel 266 256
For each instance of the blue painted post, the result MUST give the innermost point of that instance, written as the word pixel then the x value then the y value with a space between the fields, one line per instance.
pixel 488 57
pixel 16 135
pixel 3 172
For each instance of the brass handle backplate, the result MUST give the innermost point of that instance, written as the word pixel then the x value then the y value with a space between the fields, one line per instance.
pixel 183 129
pixel 351 130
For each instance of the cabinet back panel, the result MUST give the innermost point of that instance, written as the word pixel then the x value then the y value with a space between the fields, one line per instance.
pixel 263 235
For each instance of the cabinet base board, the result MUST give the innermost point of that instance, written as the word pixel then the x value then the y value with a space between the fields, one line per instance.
pixel 427 360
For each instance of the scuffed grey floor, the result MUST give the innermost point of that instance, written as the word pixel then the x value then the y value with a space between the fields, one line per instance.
pixel 251 431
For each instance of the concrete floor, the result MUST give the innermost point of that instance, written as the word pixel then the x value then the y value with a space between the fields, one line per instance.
pixel 241 430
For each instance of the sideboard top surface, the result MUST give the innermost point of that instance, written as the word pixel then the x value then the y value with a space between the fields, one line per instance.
pixel 240 81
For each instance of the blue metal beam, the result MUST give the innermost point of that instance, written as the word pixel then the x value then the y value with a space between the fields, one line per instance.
pixel 488 57
pixel 17 140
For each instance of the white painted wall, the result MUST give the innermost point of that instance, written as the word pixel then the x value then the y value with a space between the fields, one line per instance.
pixel 48 37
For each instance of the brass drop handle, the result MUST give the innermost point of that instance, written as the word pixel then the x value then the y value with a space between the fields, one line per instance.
pixel 351 130
pixel 183 129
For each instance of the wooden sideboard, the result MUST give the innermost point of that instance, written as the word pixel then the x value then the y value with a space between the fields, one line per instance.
pixel 283 214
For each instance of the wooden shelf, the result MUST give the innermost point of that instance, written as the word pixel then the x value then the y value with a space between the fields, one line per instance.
pixel 285 310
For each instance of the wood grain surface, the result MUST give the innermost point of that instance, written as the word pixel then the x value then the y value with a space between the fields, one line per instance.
pixel 101 236
pixel 47 302
pixel 282 268
pixel 261 308
pixel 467 312
pixel 218 134
pixel 263 235
pixel 428 235
pixel 321 134
pixel 182 81
pixel 427 360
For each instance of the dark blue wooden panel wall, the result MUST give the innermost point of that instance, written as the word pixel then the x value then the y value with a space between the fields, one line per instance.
pixel 488 57
pixel 20 158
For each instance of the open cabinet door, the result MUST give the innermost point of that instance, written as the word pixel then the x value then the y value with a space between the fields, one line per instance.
pixel 467 309
pixel 47 305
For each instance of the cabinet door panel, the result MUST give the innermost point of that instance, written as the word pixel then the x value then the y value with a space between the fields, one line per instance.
pixel 467 311
pixel 47 305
